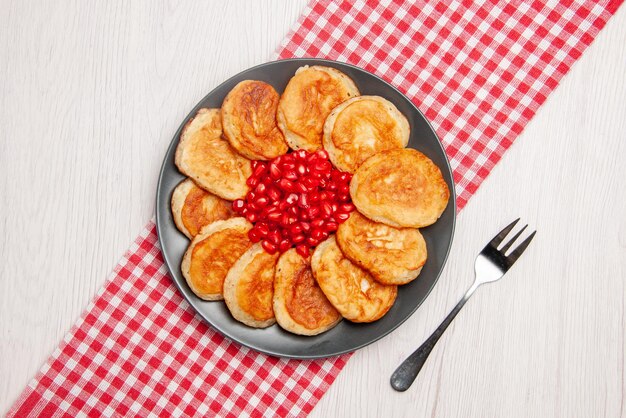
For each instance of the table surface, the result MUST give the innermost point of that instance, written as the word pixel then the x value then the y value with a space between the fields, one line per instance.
pixel 91 93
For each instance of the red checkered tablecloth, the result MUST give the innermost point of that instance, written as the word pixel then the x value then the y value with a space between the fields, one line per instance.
pixel 478 70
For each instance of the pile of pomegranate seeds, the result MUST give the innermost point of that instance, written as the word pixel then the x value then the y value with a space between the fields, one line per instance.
pixel 297 199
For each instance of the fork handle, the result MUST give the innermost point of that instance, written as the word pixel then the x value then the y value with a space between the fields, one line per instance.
pixel 405 374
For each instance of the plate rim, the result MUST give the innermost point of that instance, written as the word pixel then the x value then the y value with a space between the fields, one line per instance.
pixel 160 223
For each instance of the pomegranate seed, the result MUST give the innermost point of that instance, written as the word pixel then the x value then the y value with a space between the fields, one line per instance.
pixel 252 217
pixel 310 183
pixel 289 166
pixel 238 205
pixel 292 198
pixel 284 245
pixel 274 194
pixel 252 181
pixel 324 235
pixel 300 154
pixel 342 216
pixel 303 250
pixel 301 169
pixel 305 216
pixel 287 158
pixel 295 229
pixel 306 227
pixel 274 237
pixel 322 166
pixel 311 158
pixel 260 189
pixel 290 175
pixel 298 238
pixel 254 164
pixel 259 170
pixel 334 206
pixel 252 207
pixel 317 223
pixel 322 154
pixel 323 183
pixel 283 205
pixel 269 247
pixel 332 186
pixel 262 228
pixel 300 187
pixel 327 195
pixel 262 201
pixel 303 202
pixel 254 235
pixel 345 177
pixel 312 212
pixel 346 207
pixel 343 197
pixel 331 226
pixel 286 185
pixel 311 242
pixel 274 216
pixel 327 209
pixel 274 170
pixel 344 189
pixel 251 196
pixel 317 234
pixel 285 220
pixel 244 211
pixel 314 197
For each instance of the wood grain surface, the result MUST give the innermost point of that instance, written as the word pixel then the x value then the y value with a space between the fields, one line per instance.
pixel 90 96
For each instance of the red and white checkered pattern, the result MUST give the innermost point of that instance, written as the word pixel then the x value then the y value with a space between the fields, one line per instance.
pixel 140 350
pixel 479 71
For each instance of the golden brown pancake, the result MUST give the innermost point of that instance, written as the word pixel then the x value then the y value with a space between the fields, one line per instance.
pixel 350 289
pixel 249 288
pixel 193 208
pixel 299 304
pixel 391 255
pixel 402 188
pixel 212 253
pixel 209 160
pixel 249 120
pixel 307 100
pixel 361 127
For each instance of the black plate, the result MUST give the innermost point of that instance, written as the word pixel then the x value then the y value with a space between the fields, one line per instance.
pixel 346 336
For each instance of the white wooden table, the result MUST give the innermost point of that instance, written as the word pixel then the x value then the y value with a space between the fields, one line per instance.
pixel 90 95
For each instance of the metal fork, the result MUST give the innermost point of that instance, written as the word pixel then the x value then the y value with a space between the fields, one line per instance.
pixel 491 264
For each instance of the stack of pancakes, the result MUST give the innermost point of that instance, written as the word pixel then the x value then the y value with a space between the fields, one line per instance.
pixel 354 274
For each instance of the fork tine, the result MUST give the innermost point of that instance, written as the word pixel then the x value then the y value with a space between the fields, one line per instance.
pixel 512 240
pixel 512 258
pixel 497 240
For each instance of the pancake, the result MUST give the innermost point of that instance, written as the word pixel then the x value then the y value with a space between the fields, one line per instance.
pixel 350 289
pixel 212 253
pixel 299 304
pixel 361 127
pixel 249 121
pixel 209 160
pixel 193 208
pixel 391 255
pixel 402 188
pixel 307 100
pixel 249 288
